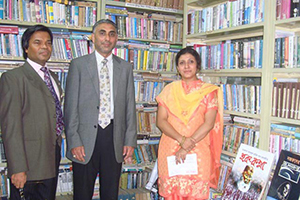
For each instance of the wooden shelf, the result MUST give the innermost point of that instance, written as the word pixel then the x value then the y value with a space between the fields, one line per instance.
pixel 154 72
pixel 286 121
pixel 149 40
pixel 237 32
pixel 204 3
pixel 60 26
pixel 287 70
pixel 229 153
pixel 145 7
pixel 232 73
pixel 291 24
pixel 254 116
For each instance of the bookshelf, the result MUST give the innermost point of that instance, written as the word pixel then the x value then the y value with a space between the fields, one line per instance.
pixel 269 29
pixel 251 30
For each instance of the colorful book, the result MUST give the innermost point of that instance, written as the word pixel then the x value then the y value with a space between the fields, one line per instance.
pixel 285 182
pixel 250 174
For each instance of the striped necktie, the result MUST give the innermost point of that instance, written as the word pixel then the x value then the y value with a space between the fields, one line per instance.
pixel 59 115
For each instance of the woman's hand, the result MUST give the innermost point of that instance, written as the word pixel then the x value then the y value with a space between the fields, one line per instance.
pixel 188 144
pixel 180 155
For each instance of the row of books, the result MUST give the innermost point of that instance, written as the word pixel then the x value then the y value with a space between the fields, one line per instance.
pixel 147 91
pixel 65 179
pixel 280 142
pixel 232 54
pixel 152 56
pixel 174 4
pixel 242 98
pixel 287 52
pixel 225 15
pixel 71 13
pixel 287 8
pixel 234 136
pixel 147 123
pixel 69 45
pixel 286 137
pixel 2 153
pixel 145 26
pixel 4 191
pixel 66 45
pixel 134 179
pixel 145 154
pixel 137 194
pixel 285 101
pixel 225 171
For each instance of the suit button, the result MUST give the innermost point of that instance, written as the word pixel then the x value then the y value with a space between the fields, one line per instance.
pixel 95 126
pixel 98 107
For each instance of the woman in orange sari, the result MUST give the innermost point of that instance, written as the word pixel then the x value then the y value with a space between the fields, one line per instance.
pixel 190 115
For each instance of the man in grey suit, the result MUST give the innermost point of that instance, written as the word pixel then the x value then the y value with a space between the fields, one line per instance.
pixel 92 147
pixel 31 119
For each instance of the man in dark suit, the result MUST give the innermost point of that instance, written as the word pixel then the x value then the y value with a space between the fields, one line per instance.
pixel 29 117
pixel 99 138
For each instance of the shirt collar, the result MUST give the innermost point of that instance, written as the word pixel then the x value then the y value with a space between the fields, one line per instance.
pixel 37 67
pixel 99 58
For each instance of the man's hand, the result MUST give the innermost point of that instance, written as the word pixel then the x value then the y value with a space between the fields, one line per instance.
pixel 78 153
pixel 127 154
pixel 19 179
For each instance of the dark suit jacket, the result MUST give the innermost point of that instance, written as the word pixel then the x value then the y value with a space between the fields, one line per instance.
pixel 28 121
pixel 82 102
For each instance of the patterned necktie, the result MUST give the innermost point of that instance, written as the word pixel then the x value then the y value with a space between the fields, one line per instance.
pixel 59 115
pixel 104 113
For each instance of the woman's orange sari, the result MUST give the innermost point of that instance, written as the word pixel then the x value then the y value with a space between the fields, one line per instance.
pixel 186 106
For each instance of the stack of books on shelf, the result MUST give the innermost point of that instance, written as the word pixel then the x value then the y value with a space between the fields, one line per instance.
pixel 2 153
pixel 145 154
pixel 4 191
pixel 285 101
pixel 242 98
pixel 147 56
pixel 225 15
pixel 65 180
pixel 71 13
pixel 287 52
pixel 143 25
pixel 232 54
pixel 287 8
pixel 10 41
pixel 284 137
pixel 241 131
pixel 172 4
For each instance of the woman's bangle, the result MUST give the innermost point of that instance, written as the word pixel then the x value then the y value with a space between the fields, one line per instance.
pixel 182 141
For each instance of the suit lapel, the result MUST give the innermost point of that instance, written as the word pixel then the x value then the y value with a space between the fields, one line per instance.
pixel 35 79
pixel 116 74
pixel 91 65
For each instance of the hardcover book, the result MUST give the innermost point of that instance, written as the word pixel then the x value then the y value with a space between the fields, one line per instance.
pixel 249 175
pixel 285 182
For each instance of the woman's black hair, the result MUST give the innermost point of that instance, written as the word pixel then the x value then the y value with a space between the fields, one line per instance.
pixel 191 51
